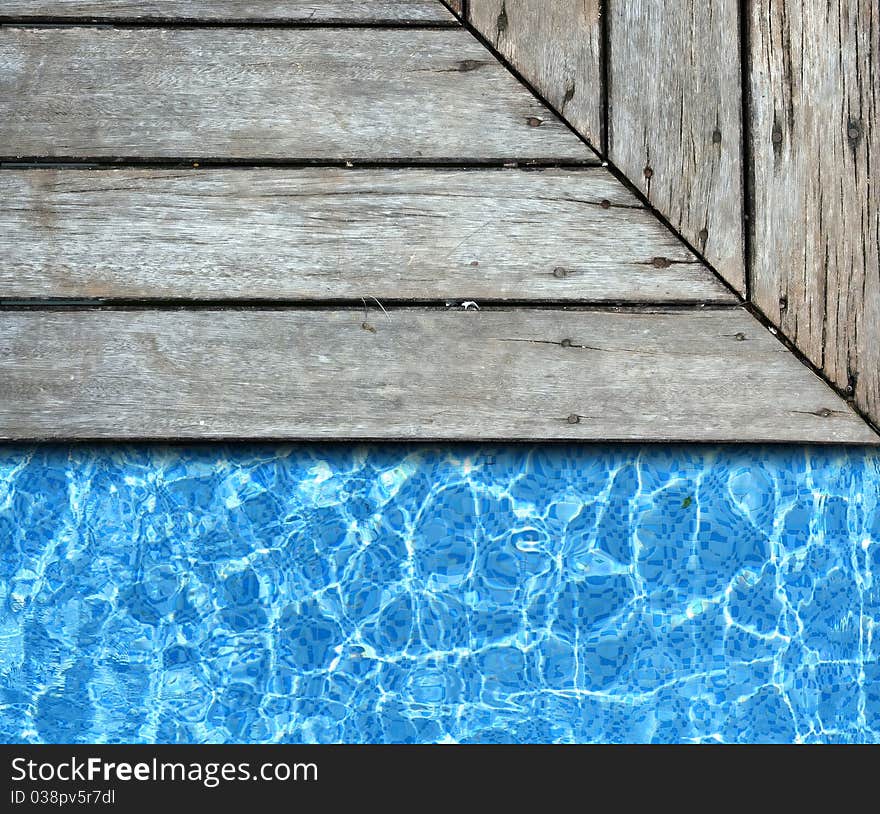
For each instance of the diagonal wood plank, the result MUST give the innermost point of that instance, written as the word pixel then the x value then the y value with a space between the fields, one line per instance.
pixel 325 233
pixel 305 94
pixel 675 118
pixel 815 90
pixel 697 374
pixel 557 46
pixel 313 11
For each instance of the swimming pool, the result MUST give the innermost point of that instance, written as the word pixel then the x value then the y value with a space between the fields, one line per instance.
pixel 425 594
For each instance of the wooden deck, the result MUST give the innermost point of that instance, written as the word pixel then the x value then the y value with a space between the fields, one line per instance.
pixel 752 128
pixel 345 220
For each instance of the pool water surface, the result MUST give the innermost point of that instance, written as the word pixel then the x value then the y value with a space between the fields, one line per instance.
pixel 427 594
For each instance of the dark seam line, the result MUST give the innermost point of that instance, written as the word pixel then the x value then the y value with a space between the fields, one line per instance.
pixel 621 176
pixel 357 305
pixel 465 9
pixel 188 162
pixel 747 146
pixel 605 73
pixel 188 22
pixel 261 440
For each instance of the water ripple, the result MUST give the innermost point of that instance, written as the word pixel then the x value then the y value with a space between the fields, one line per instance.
pixel 470 594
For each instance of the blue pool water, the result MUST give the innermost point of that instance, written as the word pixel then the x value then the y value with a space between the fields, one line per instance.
pixel 465 594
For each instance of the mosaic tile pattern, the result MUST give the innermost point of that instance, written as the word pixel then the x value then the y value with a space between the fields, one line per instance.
pixel 406 594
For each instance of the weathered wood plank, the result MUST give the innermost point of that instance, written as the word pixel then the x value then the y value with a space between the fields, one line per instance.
pixel 815 84
pixel 319 94
pixel 317 233
pixel 698 374
pixel 315 11
pixel 675 118
pixel 557 47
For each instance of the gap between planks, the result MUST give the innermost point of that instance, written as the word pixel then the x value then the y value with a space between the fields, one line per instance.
pixel 124 24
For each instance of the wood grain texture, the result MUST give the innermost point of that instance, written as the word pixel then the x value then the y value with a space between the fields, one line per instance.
pixel 265 93
pixel 317 233
pixel 456 6
pixel 411 374
pixel 556 46
pixel 815 83
pixel 315 11
pixel 675 118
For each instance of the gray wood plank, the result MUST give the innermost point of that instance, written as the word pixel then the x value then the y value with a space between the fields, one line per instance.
pixel 557 47
pixel 266 93
pixel 317 233
pixel 815 84
pixel 315 11
pixel 696 374
pixel 675 118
